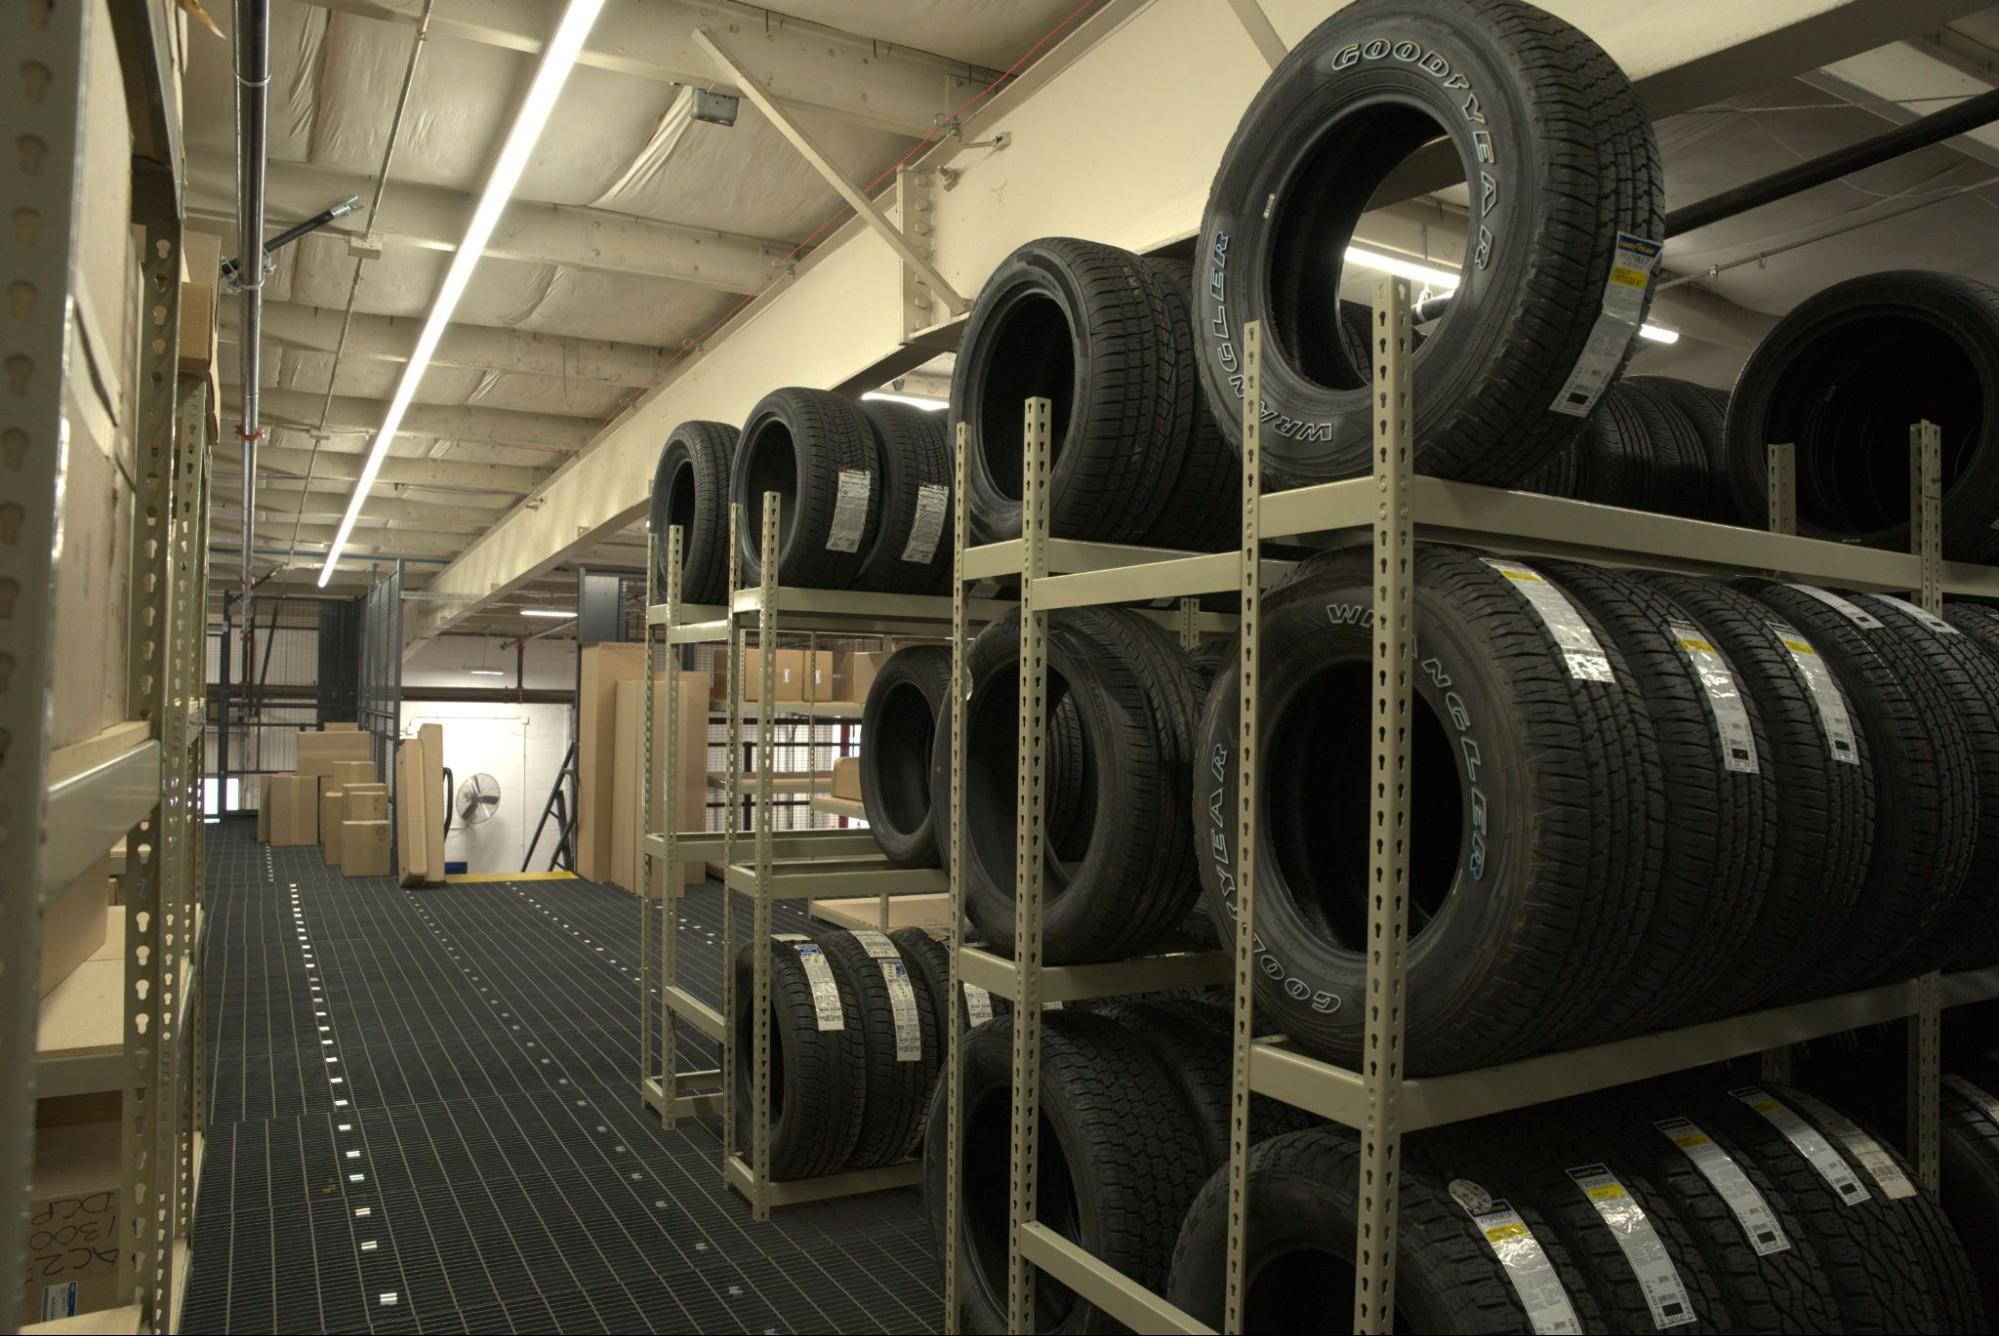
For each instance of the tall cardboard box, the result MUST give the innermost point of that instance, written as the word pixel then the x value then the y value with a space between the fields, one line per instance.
pixel 854 672
pixel 331 814
pixel 691 777
pixel 600 669
pixel 294 803
pixel 431 736
pixel 72 1252
pixel 412 849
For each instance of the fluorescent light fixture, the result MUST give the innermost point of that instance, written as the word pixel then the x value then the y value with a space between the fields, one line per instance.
pixel 485 672
pixel 547 612
pixel 557 59
pixel 1442 282
pixel 922 401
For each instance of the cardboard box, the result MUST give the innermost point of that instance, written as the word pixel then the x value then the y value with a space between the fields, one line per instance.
pixel 334 726
pixel 319 752
pixel 348 774
pixel 790 669
pixel 431 736
pixel 847 777
pixel 364 848
pixel 72 1252
pixel 599 670
pixel 629 825
pixel 294 801
pixel 367 802
pixel 73 924
pixel 412 849
pixel 331 813
pixel 854 672
pixel 822 664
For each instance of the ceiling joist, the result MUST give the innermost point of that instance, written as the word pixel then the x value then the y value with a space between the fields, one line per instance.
pixel 345 466
pixel 453 422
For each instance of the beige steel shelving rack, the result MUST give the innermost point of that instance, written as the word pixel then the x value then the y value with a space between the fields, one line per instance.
pixel 139 782
pixel 1378 1102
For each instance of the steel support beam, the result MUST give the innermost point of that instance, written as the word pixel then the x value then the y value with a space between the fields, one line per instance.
pixel 275 532
pixel 1105 148
pixel 381 506
pixel 856 78
pixel 345 466
pixel 453 422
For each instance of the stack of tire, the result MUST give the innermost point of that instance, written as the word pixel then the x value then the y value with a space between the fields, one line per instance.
pixel 1651 443
pixel 864 492
pixel 856 1045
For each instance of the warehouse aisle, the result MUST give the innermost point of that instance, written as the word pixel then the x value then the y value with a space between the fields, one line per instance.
pixel 422 1118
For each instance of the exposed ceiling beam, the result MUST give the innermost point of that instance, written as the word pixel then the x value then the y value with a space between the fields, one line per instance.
pixel 454 422
pixel 380 506
pixel 381 338
pixel 433 218
pixel 922 384
pixel 401 542
pixel 1880 79
pixel 345 466
pixel 855 78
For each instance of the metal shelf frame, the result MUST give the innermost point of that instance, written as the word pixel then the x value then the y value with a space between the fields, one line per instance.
pixel 761 863
pixel 1395 508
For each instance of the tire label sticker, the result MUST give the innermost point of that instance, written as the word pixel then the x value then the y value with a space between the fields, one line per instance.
pixel 1984 1102
pixel 978 1004
pixel 933 500
pixel 901 996
pixel 1751 1211
pixel 1804 1139
pixel 1922 615
pixel 1831 706
pixel 1852 611
pixel 1535 1281
pixel 1724 696
pixel 1577 642
pixel 1878 1163
pixel 1651 1266
pixel 1616 325
pixel 825 993
pixel 850 511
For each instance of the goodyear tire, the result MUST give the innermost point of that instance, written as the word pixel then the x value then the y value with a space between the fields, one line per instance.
pixel 818 1080
pixel 911 551
pixel 897 1081
pixel 899 728
pixel 1562 160
pixel 690 488
pixel 1537 801
pixel 817 452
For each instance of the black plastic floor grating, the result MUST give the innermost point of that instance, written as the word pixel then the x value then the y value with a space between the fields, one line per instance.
pixel 424 1117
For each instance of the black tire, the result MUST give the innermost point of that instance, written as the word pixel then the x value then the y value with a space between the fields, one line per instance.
pixel 899 728
pixel 1557 875
pixel 894 1092
pixel 1825 804
pixel 1969 1147
pixel 928 952
pixel 1720 821
pixel 1571 162
pixel 1077 323
pixel 1966 934
pixel 911 550
pixel 1120 1162
pixel 1128 889
pixel 1687 478
pixel 1203 510
pixel 1303 1191
pixel 818 1080
pixel 1880 1280
pixel 799 443
pixel 1844 375
pixel 1608 462
pixel 1706 413
pixel 690 488
pixel 1924 783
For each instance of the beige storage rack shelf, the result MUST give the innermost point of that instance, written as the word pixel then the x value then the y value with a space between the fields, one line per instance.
pixel 1396 509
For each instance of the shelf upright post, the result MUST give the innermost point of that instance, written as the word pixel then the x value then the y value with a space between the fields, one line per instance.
pixel 731 814
pixel 182 728
pixel 760 932
pixel 1781 472
pixel 1030 801
pixel 673 878
pixel 1388 860
pixel 649 964
pixel 1925 1025
pixel 1190 625
pixel 954 1030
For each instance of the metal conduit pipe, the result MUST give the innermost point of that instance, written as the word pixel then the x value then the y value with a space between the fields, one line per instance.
pixel 253 77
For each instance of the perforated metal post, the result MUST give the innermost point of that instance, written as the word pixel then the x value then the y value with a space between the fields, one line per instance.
pixel 1925 1026
pixel 954 1029
pixel 731 814
pixel 671 882
pixel 1190 625
pixel 1782 485
pixel 649 963
pixel 1027 862
pixel 186 696
pixel 760 932
pixel 1388 857
pixel 1249 643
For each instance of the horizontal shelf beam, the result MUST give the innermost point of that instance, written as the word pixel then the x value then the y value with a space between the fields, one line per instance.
pixel 92 808
pixel 794 1192
pixel 1077 983
pixel 1103 1284
pixel 690 613
pixel 840 876
pixel 784 844
pixel 695 1012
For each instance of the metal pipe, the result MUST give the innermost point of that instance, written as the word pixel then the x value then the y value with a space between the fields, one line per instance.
pixel 253 77
pixel 1970 114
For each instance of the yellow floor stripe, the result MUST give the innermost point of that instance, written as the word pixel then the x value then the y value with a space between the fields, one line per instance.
pixel 509 876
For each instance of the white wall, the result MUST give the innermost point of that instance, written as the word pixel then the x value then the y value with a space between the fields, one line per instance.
pixel 521 746
pixel 444 661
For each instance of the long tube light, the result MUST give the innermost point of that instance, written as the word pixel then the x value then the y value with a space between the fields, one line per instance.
pixel 557 613
pixel 557 60
pixel 1444 281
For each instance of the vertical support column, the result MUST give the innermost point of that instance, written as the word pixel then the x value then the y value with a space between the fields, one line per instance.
pixel 1388 859
pixel 731 814
pixel 1781 474
pixel 648 962
pixel 952 1020
pixel 673 879
pixel 760 932
pixel 1248 739
pixel 181 757
pixel 1190 634
pixel 1029 811
pixel 1925 1026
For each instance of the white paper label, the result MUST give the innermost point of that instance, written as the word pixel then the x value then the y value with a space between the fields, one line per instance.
pixel 901 996
pixel 825 993
pixel 1724 697
pixel 1922 615
pixel 1826 698
pixel 1752 1212
pixel 1578 643
pixel 850 511
pixel 1805 1139
pixel 1533 1276
pixel 1986 1103
pixel 1878 1163
pixel 933 502
pixel 1852 611
pixel 58 1300
pixel 1616 325
pixel 1650 1264
pixel 978 1004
